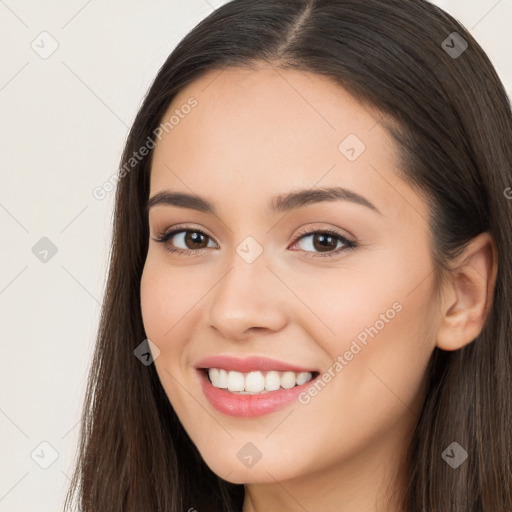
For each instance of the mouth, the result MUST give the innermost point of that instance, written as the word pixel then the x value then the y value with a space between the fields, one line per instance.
pixel 256 382
pixel 252 386
pixel 249 396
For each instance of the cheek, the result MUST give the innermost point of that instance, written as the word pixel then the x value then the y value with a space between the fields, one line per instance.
pixel 167 297
pixel 385 300
pixel 382 352
pixel 378 325
pixel 166 302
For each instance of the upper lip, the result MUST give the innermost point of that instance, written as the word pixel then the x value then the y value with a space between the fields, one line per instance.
pixel 248 364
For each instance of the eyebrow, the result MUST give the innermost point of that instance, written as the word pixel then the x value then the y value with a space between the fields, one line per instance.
pixel 278 204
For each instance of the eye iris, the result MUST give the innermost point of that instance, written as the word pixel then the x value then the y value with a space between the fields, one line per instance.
pixel 194 236
pixel 323 246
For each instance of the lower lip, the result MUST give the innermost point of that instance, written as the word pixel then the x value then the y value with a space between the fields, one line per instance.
pixel 249 406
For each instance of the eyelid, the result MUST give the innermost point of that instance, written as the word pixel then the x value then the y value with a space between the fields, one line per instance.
pixel 174 230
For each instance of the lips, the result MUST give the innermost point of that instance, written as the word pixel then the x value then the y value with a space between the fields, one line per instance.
pixel 254 404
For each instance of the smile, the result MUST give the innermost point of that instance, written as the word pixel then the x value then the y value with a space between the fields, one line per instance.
pixel 256 382
pixel 251 386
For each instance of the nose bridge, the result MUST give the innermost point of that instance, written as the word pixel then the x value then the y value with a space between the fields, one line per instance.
pixel 247 295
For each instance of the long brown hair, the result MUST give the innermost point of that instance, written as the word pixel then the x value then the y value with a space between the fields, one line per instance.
pixel 451 118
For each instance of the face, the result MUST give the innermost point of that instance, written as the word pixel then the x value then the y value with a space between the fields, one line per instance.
pixel 336 287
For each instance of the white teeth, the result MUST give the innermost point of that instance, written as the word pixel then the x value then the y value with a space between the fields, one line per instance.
pixel 303 377
pixel 256 382
pixel 288 380
pixel 272 381
pixel 235 381
pixel 213 373
pixel 219 376
pixel 222 380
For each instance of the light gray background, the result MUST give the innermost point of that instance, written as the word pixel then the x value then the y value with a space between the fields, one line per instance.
pixel 64 119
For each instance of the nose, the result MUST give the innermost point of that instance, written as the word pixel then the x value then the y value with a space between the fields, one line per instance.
pixel 248 298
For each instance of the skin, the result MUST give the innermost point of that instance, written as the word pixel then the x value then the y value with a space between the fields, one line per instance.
pixel 269 131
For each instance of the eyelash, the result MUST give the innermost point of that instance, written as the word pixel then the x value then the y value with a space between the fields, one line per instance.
pixel 164 237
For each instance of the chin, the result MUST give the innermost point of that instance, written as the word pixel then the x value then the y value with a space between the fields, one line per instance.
pixel 229 467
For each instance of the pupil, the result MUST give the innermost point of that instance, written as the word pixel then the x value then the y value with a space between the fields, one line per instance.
pixel 324 238
pixel 194 237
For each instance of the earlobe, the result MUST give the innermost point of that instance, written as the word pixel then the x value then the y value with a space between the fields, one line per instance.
pixel 468 299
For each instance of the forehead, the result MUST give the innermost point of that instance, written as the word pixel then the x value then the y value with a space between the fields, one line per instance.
pixel 255 133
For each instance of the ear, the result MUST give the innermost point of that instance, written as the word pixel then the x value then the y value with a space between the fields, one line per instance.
pixel 468 293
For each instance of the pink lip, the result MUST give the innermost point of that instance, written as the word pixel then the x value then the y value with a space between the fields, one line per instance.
pixel 249 364
pixel 249 406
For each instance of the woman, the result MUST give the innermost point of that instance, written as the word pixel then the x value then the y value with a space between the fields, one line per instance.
pixel 309 297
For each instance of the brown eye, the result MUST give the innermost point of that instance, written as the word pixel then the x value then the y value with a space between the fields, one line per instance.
pixel 326 242
pixel 191 240
pixel 195 240
pixel 323 242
